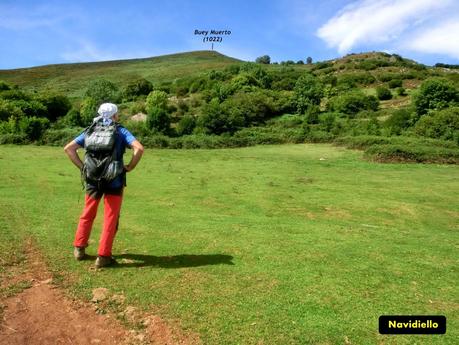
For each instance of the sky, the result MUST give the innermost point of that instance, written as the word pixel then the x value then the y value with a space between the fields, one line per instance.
pixel 38 32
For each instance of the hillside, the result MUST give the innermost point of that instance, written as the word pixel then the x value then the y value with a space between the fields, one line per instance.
pixel 72 78
pixel 395 107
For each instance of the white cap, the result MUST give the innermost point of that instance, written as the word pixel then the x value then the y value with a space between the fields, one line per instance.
pixel 107 110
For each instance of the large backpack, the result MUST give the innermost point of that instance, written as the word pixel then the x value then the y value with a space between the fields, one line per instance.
pixel 100 162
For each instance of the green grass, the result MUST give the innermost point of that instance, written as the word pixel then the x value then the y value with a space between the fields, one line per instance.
pixel 258 245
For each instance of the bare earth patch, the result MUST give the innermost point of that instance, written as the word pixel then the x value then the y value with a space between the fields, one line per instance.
pixel 42 314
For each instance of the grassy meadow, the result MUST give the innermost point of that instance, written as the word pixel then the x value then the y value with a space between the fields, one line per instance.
pixel 291 244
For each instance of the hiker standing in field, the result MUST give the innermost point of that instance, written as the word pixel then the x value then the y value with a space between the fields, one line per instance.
pixel 104 173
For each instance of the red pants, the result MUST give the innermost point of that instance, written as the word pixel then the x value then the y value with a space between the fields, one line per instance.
pixel 112 207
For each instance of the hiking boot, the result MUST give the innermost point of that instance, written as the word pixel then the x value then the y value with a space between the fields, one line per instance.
pixel 104 261
pixel 79 253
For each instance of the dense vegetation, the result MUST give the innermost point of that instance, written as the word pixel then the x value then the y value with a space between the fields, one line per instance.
pixel 373 95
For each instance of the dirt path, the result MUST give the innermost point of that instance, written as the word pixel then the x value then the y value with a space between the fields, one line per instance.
pixel 42 314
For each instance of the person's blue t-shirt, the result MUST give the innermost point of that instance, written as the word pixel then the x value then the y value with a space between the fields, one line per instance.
pixel 124 139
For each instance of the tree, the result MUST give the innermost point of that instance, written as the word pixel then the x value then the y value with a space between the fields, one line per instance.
pixel 253 107
pixel 308 91
pixel 265 59
pixel 88 110
pixel 158 119
pixel 102 90
pixel 186 125
pixel 216 119
pixel 156 99
pixel 56 104
pixel 435 94
pixel 137 88
pixel 309 60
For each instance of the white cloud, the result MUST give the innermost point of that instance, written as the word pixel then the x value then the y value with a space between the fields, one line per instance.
pixel 377 21
pixel 443 38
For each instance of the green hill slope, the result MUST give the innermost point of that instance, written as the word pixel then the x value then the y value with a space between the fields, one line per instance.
pixel 72 78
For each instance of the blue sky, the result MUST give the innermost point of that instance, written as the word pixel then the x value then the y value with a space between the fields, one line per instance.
pixel 45 32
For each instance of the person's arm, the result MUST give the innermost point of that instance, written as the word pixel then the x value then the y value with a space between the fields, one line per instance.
pixel 71 151
pixel 138 152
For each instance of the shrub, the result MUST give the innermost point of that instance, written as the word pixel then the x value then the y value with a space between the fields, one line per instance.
pixel 216 119
pixel 386 77
pixel 73 118
pixel 435 94
pixel 383 93
pixel 156 99
pixel 373 127
pixel 319 136
pixel 33 127
pixel 202 83
pixel 327 121
pixel 269 135
pixel 14 94
pixel 220 75
pixel 9 109
pixel 242 80
pixel 181 87
pixel 13 138
pixel 155 141
pixel 59 137
pixel 102 90
pixel 186 125
pixel 443 124
pixel 311 115
pixel 4 86
pixel 57 105
pixel 88 110
pixel 352 102
pixel 222 91
pixel 137 107
pixel 398 121
pixel 282 102
pixel 353 79
pixel 232 69
pixel 286 121
pixel 284 79
pixel 395 83
pixel 371 64
pixel 137 88
pixel 253 107
pixel 323 64
pixel 412 153
pixel 31 108
pixel 158 120
pixel 400 91
pixel 365 141
pixel 308 91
